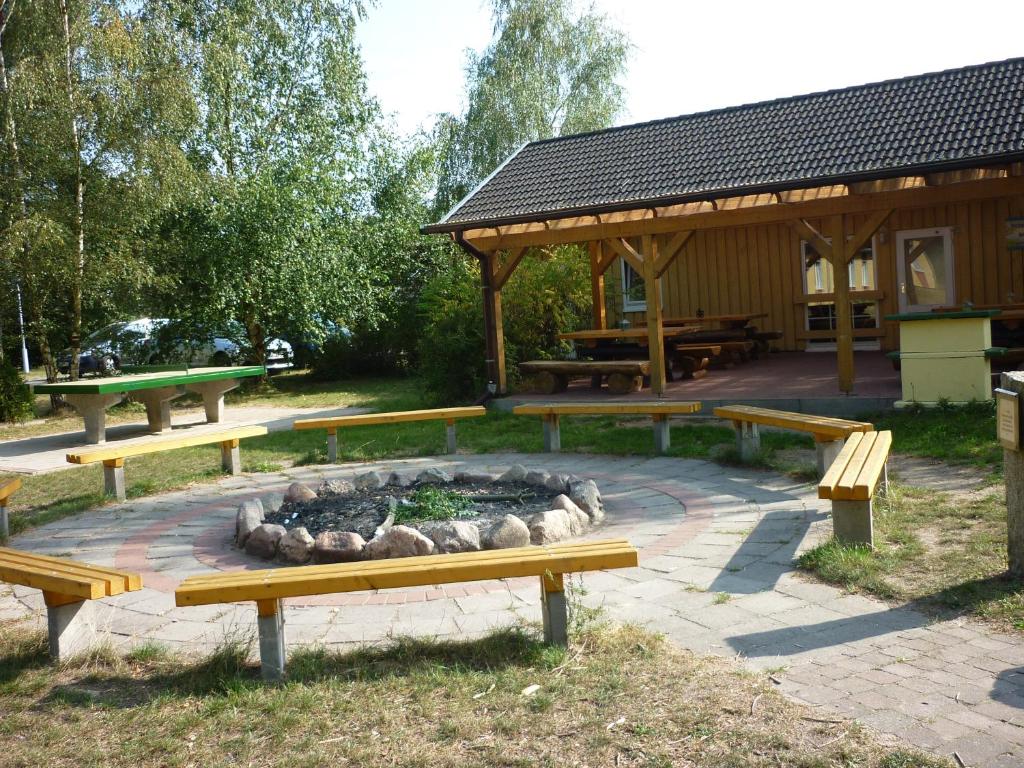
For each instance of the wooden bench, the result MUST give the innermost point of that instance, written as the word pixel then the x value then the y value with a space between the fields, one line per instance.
pixel 7 488
pixel 829 433
pixel 552 376
pixel 851 481
pixel 334 423
pixel 734 352
pixel 113 456
pixel 268 588
pixel 658 411
pixel 693 359
pixel 67 588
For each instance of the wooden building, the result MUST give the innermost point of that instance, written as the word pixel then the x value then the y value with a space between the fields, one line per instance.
pixel 827 212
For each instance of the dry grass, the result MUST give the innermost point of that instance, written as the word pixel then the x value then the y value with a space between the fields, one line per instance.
pixel 621 697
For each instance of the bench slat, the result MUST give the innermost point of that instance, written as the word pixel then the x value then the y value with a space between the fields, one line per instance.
pixel 52 580
pixel 129 582
pixel 871 472
pixel 577 409
pixel 844 489
pixel 819 425
pixel 8 487
pixel 407 572
pixel 169 443
pixel 831 479
pixel 392 417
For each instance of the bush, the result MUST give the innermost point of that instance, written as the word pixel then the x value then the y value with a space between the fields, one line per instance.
pixel 548 294
pixel 15 396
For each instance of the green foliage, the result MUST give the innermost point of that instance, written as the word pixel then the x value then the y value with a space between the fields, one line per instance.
pixel 962 434
pixel 433 503
pixel 15 396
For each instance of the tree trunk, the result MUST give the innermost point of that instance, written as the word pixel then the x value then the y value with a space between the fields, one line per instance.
pixel 257 342
pixel 78 273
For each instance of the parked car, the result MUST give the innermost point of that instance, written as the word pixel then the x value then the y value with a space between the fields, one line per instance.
pixel 114 345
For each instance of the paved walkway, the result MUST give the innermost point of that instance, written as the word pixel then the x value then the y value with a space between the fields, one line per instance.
pixel 716 575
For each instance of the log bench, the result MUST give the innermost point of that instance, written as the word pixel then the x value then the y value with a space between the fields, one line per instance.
pixel 334 423
pixel 658 411
pixel 269 588
pixel 68 587
pixel 851 481
pixel 763 339
pixel 621 376
pixel 734 352
pixel 693 359
pixel 113 457
pixel 7 488
pixel 829 433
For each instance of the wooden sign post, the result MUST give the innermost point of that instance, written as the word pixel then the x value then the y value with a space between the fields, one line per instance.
pixel 1008 429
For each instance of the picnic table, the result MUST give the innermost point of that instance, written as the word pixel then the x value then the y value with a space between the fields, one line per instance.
pixel 626 343
pixel 156 389
pixel 724 321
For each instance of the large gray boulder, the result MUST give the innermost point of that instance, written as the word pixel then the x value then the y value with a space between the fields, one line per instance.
pixel 397 478
pixel 579 520
pixel 551 526
pixel 296 546
pixel 334 488
pixel 537 478
pixel 468 476
pixel 558 483
pixel 399 541
pixel 510 531
pixel 587 497
pixel 368 481
pixel 433 476
pixel 456 536
pixel 514 474
pixel 262 542
pixel 248 519
pixel 299 492
pixel 338 547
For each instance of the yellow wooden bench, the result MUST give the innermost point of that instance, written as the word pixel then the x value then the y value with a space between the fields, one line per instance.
pixel 851 481
pixel 268 588
pixel 334 423
pixel 113 456
pixel 7 487
pixel 658 411
pixel 67 588
pixel 829 433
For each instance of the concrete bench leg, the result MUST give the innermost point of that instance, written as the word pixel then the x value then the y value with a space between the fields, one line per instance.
pixel 449 431
pixel 827 451
pixel 5 522
pixel 662 436
pixel 113 478
pixel 213 397
pixel 271 628
pixel 554 610
pixel 230 457
pixel 748 440
pixel 70 624
pixel 158 405
pixel 93 410
pixel 332 446
pixel 552 433
pixel 852 523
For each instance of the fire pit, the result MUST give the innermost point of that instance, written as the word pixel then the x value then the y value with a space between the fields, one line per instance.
pixel 381 516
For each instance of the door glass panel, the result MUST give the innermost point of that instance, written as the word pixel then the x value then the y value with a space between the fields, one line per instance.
pixel 924 270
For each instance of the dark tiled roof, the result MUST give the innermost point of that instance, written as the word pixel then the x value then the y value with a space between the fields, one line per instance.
pixel 966 116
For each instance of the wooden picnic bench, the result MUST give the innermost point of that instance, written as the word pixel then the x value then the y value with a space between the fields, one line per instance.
pixel 333 423
pixel 270 587
pixel 851 481
pixel 658 411
pixel 693 359
pixel 829 433
pixel 7 488
pixel 113 457
pixel 67 587
pixel 620 376
pixel 156 389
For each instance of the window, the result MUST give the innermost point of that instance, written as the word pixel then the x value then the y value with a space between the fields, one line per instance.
pixel 819 278
pixel 634 298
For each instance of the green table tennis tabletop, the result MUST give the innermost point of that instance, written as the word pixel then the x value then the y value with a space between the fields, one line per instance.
pixel 137 381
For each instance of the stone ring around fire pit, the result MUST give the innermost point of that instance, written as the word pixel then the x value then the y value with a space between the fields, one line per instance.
pixel 379 516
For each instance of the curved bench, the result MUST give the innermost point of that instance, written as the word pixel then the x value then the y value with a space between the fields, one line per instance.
pixel 851 481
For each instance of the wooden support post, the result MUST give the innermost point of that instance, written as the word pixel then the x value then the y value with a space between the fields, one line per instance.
pixel 493 331
pixel 597 286
pixel 1013 469
pixel 844 312
pixel 655 333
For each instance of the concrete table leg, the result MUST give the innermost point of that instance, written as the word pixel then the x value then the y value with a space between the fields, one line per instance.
pixel 827 451
pixel 93 410
pixel 554 610
pixel 271 628
pixel 852 523
pixel 748 440
pixel 662 436
pixel 5 522
pixel 71 625
pixel 450 435
pixel 213 397
pixel 158 405
pixel 332 446
pixel 230 457
pixel 552 433
pixel 113 478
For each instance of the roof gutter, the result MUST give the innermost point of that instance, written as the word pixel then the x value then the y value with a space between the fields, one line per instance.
pixel 443 226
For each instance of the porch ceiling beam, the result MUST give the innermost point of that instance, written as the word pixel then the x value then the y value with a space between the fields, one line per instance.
pixel 814 238
pixel 674 248
pixel 762 214
pixel 504 272
pixel 626 251
pixel 864 233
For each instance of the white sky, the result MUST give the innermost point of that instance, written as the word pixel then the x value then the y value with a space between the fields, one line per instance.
pixel 691 56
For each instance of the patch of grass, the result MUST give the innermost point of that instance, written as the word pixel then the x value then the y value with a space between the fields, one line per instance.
pixel 941 553
pixel 613 699
pixel 432 503
pixel 956 434
pixel 721 598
